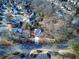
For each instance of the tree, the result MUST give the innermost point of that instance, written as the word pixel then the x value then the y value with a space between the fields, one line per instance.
pixel 77 10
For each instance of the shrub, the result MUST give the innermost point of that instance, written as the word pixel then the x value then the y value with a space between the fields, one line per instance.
pixel 74 44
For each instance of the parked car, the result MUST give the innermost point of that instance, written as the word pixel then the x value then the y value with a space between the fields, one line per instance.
pixel 40 54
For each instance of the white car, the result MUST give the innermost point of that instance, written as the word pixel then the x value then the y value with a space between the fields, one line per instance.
pixel 40 54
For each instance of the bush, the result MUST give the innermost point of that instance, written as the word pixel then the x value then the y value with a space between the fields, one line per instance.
pixel 74 44
pixel 26 25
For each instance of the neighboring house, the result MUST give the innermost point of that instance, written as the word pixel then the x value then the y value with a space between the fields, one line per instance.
pixel 51 25
pixel 73 1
